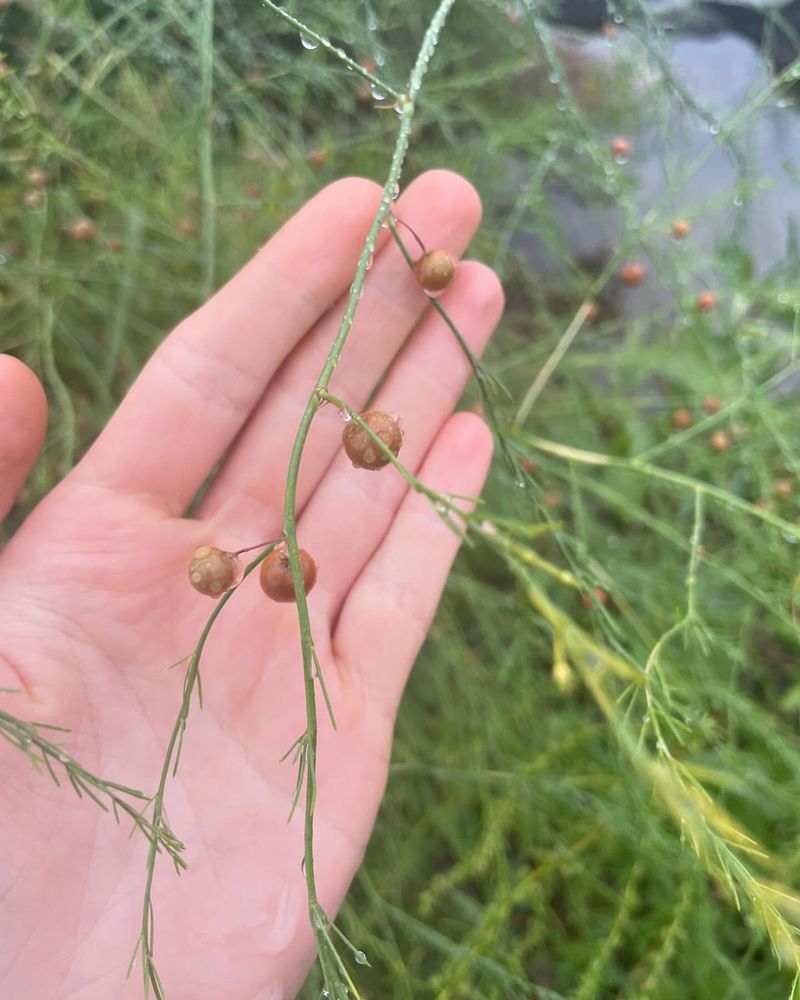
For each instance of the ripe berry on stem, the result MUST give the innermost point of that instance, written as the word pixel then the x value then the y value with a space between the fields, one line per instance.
pixel 706 301
pixel 621 147
pixel 435 270
pixel 82 230
pixel 276 578
pixel 681 229
pixel 633 273
pixel 212 571
pixel 681 418
pixel 362 450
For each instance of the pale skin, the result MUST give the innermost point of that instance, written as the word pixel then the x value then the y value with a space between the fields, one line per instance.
pixel 95 605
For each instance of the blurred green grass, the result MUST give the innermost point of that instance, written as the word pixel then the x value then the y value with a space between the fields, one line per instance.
pixel 523 848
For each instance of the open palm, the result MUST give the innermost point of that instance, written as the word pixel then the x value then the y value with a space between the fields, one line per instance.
pixel 95 605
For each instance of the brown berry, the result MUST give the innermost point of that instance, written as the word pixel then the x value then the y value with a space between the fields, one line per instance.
pixel 600 596
pixel 37 177
pixel 620 147
pixel 720 441
pixel 608 30
pixel 435 270
pixel 317 157
pixel 782 488
pixel 82 230
pixel 187 227
pixel 276 574
pixel 114 244
pixel 712 404
pixel 681 229
pixel 706 301
pixel 551 500
pixel 362 450
pixel 633 273
pixel 528 465
pixel 682 418
pixel 212 571
pixel 34 198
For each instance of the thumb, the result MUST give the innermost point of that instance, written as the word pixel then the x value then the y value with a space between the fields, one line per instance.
pixel 23 419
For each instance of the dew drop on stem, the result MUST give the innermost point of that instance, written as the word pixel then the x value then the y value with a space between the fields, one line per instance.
pixel 370 261
pixel 360 958
pixel 377 95
pixel 344 416
pixel 396 192
pixel 308 43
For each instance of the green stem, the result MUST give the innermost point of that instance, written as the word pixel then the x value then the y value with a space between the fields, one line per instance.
pixel 191 680
pixel 334 50
pixel 407 107
pixel 666 475
pixel 205 45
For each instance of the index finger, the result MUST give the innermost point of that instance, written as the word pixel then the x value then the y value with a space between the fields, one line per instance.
pixel 199 387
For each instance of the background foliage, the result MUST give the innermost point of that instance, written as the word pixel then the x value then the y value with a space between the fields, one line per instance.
pixel 576 808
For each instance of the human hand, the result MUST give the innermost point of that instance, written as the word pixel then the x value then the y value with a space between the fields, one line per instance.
pixel 95 604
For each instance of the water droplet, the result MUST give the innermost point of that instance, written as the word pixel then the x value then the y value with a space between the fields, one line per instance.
pixel 380 60
pixel 325 992
pixel 737 201
pixel 789 537
pixel 783 103
pixel 370 261
pixel 713 129
pixel 63 758
pixel 521 483
pixel 396 192
pixel 344 415
pixel 308 43
pixel 554 78
pixel 440 507
pixel 398 108
pixel 377 95
pixel 26 741
pixel 360 958
pixel 488 528
pixel 621 160
pixel 372 22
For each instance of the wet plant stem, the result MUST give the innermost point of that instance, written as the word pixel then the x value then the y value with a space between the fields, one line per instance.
pixel 406 104
pixel 324 43
pixel 170 764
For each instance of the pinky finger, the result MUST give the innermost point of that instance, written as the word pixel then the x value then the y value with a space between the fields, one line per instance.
pixel 23 418
pixel 389 610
